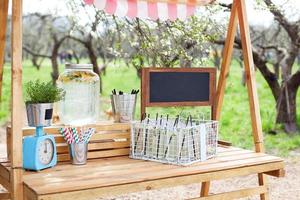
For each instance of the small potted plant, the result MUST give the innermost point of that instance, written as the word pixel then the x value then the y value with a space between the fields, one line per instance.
pixel 39 103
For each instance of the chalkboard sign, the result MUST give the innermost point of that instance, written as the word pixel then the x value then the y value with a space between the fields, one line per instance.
pixel 178 87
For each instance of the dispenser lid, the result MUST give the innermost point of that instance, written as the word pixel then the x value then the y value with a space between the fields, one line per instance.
pixel 79 66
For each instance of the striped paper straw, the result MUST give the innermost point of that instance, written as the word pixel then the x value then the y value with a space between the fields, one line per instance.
pixel 89 134
pixel 75 135
pixel 82 133
pixel 66 134
pixel 70 138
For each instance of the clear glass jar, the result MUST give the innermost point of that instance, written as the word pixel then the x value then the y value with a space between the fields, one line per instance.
pixel 81 103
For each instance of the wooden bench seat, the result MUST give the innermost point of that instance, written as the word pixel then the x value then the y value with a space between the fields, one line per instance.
pixel 119 175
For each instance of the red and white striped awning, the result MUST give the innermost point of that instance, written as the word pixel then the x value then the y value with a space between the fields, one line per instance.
pixel 150 9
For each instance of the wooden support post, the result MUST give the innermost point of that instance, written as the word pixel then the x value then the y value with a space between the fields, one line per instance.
pixel 3 25
pixel 17 108
pixel 204 192
pixel 227 55
pixel 250 78
pixel 16 184
pixel 251 85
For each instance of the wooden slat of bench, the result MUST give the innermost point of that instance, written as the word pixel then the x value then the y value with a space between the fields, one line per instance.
pixel 108 153
pixel 64 148
pixel 4 177
pixel 4 195
pixel 60 169
pixel 276 173
pixel 157 184
pixel 4 183
pixel 121 163
pixel 114 175
pixel 235 194
pixel 29 194
pixel 108 136
pixel 97 154
pixel 101 126
pixel 109 145
pixel 4 172
pixel 120 149
pixel 221 153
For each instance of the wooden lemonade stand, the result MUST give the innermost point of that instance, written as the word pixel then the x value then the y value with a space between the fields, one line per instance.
pixel 109 171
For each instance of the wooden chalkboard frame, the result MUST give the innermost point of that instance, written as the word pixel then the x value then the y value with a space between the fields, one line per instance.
pixel 145 89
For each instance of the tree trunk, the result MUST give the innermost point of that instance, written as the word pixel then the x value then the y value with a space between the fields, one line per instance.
pixel 286 109
pixel 54 55
pixel 276 70
pixel 76 57
pixel 270 77
pixel 55 70
pixel 35 62
pixel 93 59
pixel 243 78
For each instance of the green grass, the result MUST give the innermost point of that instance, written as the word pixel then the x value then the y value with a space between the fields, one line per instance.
pixel 235 119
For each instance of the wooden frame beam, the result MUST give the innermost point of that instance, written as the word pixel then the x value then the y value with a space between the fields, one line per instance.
pixel 17 102
pixel 16 85
pixel 227 55
pixel 3 25
pixel 226 61
pixel 238 12
pixel 250 77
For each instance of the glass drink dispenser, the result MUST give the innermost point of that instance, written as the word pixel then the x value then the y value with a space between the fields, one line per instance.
pixel 81 103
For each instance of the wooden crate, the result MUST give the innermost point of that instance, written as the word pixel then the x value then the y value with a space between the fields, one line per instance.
pixel 109 140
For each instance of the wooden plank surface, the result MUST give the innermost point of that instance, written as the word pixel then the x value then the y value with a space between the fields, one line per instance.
pixel 93 193
pixel 29 194
pixel 112 175
pixel 100 127
pixel 4 195
pixel 5 183
pixel 123 170
pixel 4 172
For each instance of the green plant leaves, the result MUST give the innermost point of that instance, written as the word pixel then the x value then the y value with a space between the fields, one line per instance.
pixel 43 92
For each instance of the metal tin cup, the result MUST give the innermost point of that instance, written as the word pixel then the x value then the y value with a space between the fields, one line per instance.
pixel 123 107
pixel 39 114
pixel 78 153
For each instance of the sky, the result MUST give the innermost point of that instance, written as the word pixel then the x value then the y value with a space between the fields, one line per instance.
pixel 255 16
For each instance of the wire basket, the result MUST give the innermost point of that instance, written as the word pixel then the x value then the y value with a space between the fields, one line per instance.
pixel 174 141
